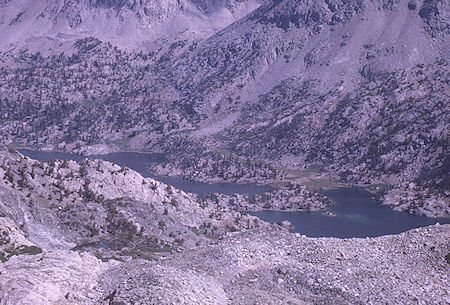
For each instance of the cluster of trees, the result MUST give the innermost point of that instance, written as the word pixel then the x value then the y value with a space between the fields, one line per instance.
pixel 394 124
pixel 84 96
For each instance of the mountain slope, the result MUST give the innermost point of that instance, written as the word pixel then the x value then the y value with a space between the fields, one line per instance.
pixel 50 24
pixel 103 208
pixel 356 87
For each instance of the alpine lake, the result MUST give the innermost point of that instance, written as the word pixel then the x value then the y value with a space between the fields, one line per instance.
pixel 355 212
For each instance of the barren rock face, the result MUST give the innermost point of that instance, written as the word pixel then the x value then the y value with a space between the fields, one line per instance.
pixel 267 266
pixel 63 277
pixel 47 24
pixel 433 13
pixel 104 207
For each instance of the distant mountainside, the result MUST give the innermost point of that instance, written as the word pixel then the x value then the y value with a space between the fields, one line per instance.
pixel 358 88
pixel 45 24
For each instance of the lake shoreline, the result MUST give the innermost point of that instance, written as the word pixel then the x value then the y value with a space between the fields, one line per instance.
pixel 253 187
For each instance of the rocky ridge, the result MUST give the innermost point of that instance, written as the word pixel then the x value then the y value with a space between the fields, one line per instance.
pixel 107 209
pixel 46 25
pixel 98 233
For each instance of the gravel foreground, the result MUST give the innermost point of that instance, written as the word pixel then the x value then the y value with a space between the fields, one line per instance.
pixel 253 267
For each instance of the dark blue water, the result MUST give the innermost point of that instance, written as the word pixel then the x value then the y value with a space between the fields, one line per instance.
pixel 357 214
pixel 140 162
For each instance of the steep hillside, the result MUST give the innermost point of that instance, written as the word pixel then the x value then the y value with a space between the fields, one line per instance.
pixel 104 209
pixel 47 25
pixel 357 88
pixel 392 130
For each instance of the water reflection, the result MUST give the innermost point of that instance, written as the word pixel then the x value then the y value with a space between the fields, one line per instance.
pixel 355 214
